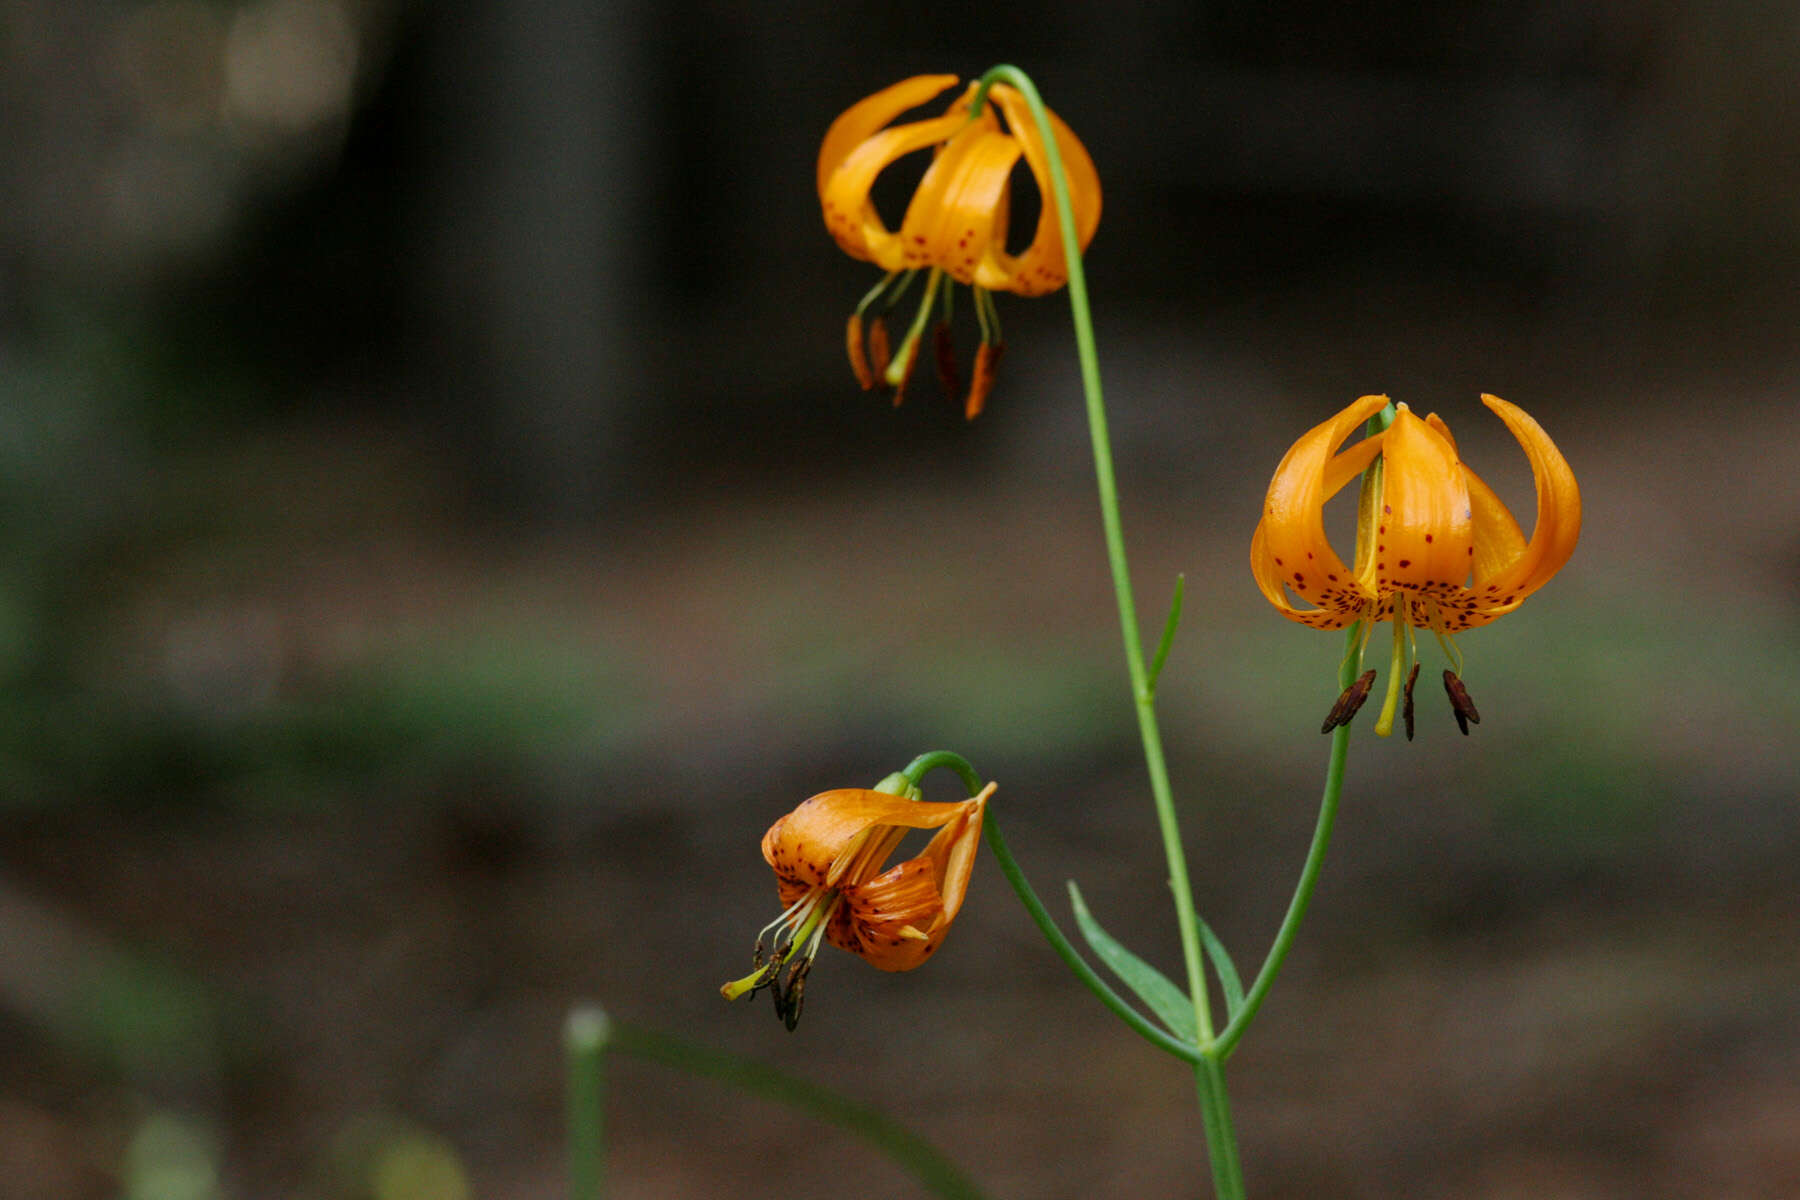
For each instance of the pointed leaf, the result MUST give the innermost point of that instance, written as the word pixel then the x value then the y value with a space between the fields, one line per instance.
pixel 1168 634
pixel 1221 961
pixel 1167 1001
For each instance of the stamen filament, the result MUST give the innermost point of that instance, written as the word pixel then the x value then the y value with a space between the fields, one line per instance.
pixel 782 919
pixel 800 930
pixel 899 293
pixel 987 314
pixel 1368 630
pixel 874 293
pixel 902 362
pixel 1446 642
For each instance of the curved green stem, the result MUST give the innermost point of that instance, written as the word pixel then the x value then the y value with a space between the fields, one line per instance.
pixel 950 761
pixel 586 1035
pixel 1303 893
pixel 1065 950
pixel 1328 802
pixel 939 1175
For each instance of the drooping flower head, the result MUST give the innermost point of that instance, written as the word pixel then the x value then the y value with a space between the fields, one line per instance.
pixel 830 857
pixel 955 226
pixel 1435 547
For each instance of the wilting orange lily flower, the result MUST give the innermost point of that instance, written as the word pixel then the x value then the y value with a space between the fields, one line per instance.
pixel 955 226
pixel 1435 547
pixel 829 856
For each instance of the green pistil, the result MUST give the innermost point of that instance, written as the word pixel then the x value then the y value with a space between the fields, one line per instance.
pixel 1384 725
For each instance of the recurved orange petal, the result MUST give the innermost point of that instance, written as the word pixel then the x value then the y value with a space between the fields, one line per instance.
pixel 1041 267
pixel 1558 525
pixel 850 213
pixel 816 842
pixel 957 216
pixel 1289 549
pixel 902 915
pixel 859 122
pixel 1498 539
pixel 1269 581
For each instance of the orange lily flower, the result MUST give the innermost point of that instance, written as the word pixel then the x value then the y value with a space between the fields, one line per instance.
pixel 955 226
pixel 829 854
pixel 1435 547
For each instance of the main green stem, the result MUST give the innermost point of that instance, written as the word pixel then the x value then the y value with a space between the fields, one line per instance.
pixel 1221 1141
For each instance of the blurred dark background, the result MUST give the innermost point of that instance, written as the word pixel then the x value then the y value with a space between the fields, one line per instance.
pixel 442 533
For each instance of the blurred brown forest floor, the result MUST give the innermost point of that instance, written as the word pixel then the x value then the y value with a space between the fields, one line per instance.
pixel 375 792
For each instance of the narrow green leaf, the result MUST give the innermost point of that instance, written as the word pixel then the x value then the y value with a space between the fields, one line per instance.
pixel 1168 633
pixel 1221 961
pixel 1168 1002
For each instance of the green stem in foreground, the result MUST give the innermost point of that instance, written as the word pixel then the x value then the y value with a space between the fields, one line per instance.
pixel 585 1037
pixel 939 1175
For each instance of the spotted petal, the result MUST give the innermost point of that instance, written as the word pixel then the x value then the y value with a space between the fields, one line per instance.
pixel 957 218
pixel 861 120
pixel 1289 549
pixel 1423 530
pixel 1041 268
pixel 902 915
pixel 818 843
pixel 850 212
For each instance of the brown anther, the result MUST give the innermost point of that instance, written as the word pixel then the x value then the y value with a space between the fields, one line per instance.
pixel 878 349
pixel 987 361
pixel 1460 704
pixel 1406 704
pixel 1349 702
pixel 945 352
pixel 791 998
pixel 859 361
pixel 912 360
